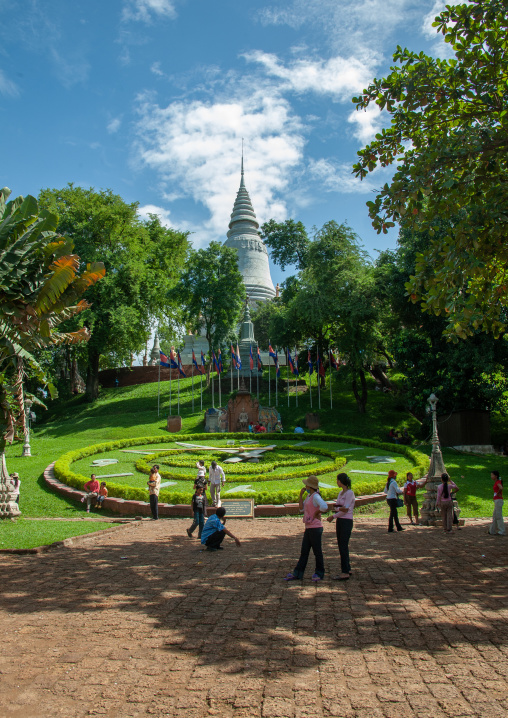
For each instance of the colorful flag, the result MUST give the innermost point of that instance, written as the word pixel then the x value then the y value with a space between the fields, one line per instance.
pixel 271 352
pixel 194 361
pixel 333 361
pixel 216 363
pixel 172 359
pixel 251 359
pixel 233 357
pixel 203 364
pixel 294 370
pixel 296 362
pixel 260 363
pixel 180 367
pixel 277 365
pixel 220 362
pixel 320 367
pixel 163 360
pixel 309 362
pixel 238 358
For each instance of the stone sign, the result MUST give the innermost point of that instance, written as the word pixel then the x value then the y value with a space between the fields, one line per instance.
pixel 238 508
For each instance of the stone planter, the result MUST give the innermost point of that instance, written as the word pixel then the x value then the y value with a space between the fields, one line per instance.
pixel 174 424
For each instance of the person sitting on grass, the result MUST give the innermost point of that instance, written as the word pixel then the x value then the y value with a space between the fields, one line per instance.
pixel 214 531
pixel 92 487
pixel 103 492
pixel 299 430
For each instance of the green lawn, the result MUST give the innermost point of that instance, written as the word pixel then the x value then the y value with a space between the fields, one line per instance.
pixel 24 533
pixel 132 412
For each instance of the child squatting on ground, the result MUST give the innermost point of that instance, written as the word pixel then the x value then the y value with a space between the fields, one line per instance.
pixel 214 531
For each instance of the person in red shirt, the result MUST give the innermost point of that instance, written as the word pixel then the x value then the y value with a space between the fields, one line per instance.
pixel 497 525
pixel 410 497
pixel 92 487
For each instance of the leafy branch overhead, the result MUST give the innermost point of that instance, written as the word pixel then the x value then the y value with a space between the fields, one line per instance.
pixel 449 138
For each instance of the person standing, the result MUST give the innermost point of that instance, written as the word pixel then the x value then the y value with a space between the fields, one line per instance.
pixel 410 497
pixel 497 525
pixel 313 506
pixel 16 485
pixel 154 485
pixel 444 501
pixel 217 479
pixel 343 516
pixel 392 491
pixel 198 511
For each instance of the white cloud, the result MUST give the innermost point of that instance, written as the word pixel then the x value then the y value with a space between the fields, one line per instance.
pixel 367 122
pixel 196 148
pixel 144 10
pixel 440 47
pixel 156 69
pixel 338 76
pixel 7 87
pixel 348 24
pixel 162 214
pixel 114 125
pixel 337 177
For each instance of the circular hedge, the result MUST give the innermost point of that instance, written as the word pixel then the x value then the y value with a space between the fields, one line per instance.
pixel 249 472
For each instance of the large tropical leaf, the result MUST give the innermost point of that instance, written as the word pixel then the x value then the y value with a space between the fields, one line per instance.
pixel 63 272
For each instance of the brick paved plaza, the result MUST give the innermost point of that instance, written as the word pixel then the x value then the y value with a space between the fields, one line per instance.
pixel 140 622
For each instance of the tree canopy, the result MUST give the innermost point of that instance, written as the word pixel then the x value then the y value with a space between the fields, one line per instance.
pixel 143 262
pixel 212 292
pixel 449 136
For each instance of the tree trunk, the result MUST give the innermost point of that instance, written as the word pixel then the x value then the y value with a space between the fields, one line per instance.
pixel 92 376
pixel 380 376
pixel 361 398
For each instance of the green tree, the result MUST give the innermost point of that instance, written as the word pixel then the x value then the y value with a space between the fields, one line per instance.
pixel 449 136
pixel 288 242
pixel 40 288
pixel 212 293
pixel 143 262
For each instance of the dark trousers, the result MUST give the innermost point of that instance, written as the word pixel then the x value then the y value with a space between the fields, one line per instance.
pixel 199 520
pixel 343 528
pixel 154 506
pixel 311 540
pixel 394 516
pixel 215 540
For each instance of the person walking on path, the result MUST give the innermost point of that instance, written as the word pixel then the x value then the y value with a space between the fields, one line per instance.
pixel 313 506
pixel 444 501
pixel 217 479
pixel 92 487
pixel 198 510
pixel 392 491
pixel 497 525
pixel 214 531
pixel 343 516
pixel 410 497
pixel 16 485
pixel 154 485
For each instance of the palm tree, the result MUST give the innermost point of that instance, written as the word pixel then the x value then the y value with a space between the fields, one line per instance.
pixel 40 287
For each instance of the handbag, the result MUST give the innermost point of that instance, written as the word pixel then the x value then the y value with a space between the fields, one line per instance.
pixel 400 503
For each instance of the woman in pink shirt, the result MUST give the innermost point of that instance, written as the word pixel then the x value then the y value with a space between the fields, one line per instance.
pixel 343 516
pixel 445 502
pixel 312 508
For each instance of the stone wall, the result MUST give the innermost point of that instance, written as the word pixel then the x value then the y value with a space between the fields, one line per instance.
pixel 129 376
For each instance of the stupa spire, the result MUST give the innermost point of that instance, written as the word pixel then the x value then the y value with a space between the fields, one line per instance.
pixel 244 235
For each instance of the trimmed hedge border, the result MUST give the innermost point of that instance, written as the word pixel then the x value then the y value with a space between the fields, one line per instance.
pixel 136 498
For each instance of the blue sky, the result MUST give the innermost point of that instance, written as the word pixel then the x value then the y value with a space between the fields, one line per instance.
pixel 151 98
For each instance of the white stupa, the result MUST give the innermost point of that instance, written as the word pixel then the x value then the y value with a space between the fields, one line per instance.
pixel 244 236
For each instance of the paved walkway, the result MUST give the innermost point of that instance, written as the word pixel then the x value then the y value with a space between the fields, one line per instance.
pixel 142 623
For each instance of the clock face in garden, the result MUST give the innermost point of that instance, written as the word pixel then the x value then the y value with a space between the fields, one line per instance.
pixel 269 471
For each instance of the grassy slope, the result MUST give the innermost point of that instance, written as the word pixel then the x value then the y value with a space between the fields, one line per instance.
pixel 132 411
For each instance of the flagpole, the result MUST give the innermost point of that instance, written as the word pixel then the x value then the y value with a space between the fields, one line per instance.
pixel 193 388
pixel 319 381
pixel 330 362
pixel 231 373
pixel 257 372
pixel 170 372
pixel 213 392
pixel 238 377
pixel 310 377
pixel 159 391
pixel 269 380
pixel 287 370
pixel 250 378
pixel 201 381
pixel 178 391
pixel 220 397
pixel 296 378
pixel 276 383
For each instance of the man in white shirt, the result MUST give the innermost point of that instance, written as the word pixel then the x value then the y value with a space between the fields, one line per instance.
pixel 217 479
